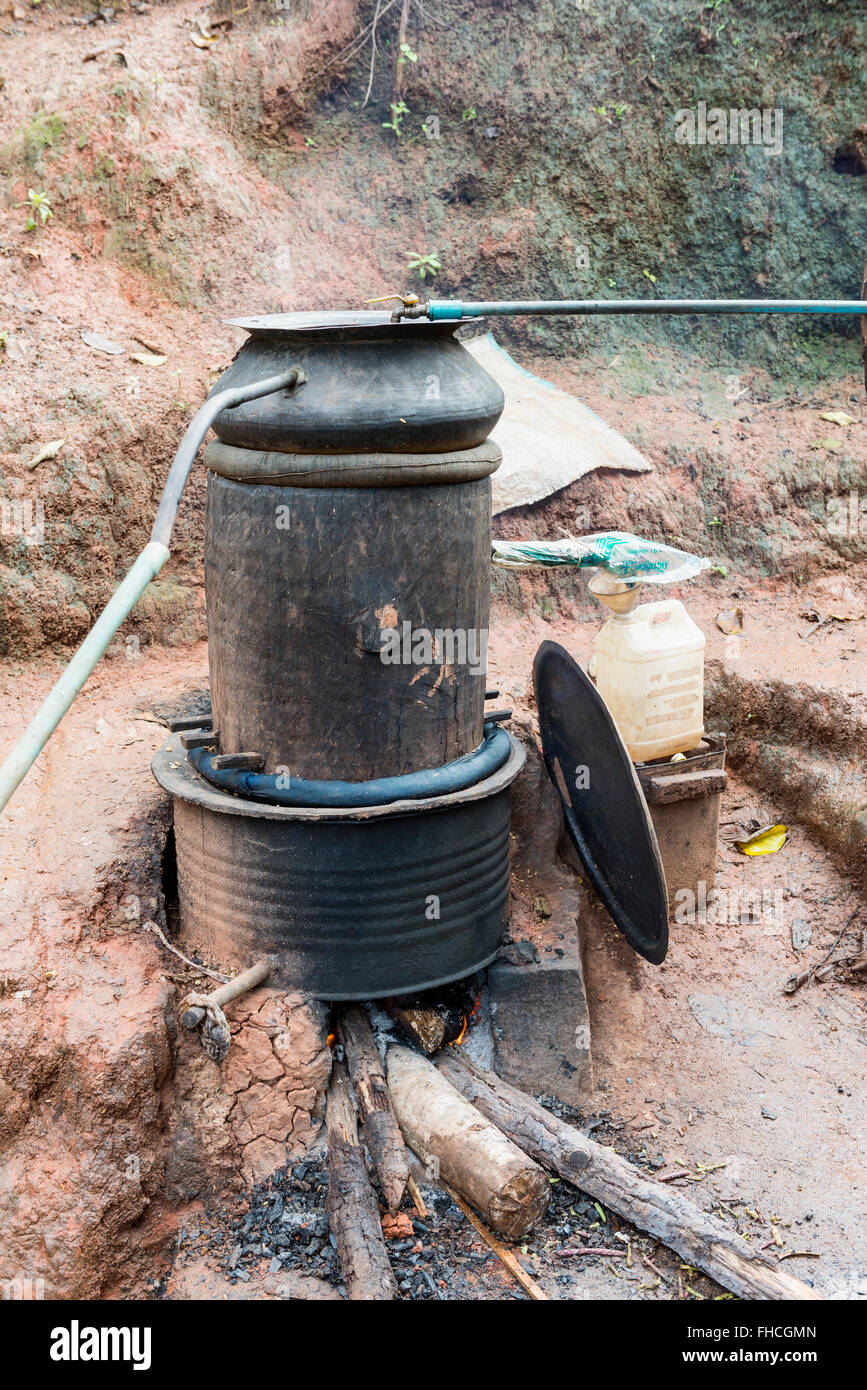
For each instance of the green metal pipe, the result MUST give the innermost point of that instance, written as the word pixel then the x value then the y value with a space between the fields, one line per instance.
pixel 439 309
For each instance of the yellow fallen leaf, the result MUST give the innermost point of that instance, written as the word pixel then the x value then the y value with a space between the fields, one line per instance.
pixel 730 621
pixel 149 359
pixel 48 451
pixel 765 841
pixel 201 42
pixel 837 417
pixel 831 443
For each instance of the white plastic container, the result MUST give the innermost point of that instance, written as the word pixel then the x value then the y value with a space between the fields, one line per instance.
pixel 650 672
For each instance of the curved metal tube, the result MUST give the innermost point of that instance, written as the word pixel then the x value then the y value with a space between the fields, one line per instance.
pixel 26 750
pixel 195 433
pixel 456 776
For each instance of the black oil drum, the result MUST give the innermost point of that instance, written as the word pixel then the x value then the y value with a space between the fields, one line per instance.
pixel 353 905
pixel 347 627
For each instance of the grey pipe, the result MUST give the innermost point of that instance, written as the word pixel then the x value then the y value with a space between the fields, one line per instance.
pixel 26 750
pixel 195 433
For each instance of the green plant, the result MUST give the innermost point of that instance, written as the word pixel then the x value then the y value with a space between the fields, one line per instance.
pixel 469 114
pixel 45 132
pixel 425 262
pixel 619 110
pixel 40 209
pixel 398 110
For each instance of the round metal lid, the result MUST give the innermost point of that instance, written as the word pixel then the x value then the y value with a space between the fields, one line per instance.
pixel 345 322
pixel 604 808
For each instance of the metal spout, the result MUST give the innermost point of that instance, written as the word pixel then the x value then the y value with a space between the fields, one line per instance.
pixel 620 595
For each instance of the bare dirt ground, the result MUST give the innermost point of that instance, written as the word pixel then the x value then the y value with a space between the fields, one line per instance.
pixel 705 1058
pixel 767 1085
pixel 703 1062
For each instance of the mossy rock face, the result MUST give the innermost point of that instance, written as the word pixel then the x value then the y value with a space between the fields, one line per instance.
pixel 538 158
pixel 557 169
pixel 46 132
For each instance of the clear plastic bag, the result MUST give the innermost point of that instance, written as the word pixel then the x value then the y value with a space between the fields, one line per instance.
pixel 617 552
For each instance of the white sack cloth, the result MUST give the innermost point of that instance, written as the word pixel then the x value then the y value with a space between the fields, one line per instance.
pixel 548 438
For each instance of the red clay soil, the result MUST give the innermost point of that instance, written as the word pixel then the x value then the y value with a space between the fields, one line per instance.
pixel 113 1120
pixel 706 1057
pixel 112 1128
pixel 92 1030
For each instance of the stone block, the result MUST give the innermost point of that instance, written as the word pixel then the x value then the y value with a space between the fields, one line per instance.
pixel 541 1025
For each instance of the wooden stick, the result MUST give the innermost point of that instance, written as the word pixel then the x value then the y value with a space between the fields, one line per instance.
pixel 199 969
pixel 513 1265
pixel 238 762
pixel 702 1240
pixel 509 1191
pixel 352 1208
pixel 232 989
pixel 381 1131
pixel 419 1201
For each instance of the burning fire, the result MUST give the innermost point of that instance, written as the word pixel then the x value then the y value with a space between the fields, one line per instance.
pixel 438 1019
pixel 467 1021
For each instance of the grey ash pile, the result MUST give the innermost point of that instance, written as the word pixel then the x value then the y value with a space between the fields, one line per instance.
pixel 286 1228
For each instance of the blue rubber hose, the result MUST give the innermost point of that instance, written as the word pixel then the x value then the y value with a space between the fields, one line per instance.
pixel 282 790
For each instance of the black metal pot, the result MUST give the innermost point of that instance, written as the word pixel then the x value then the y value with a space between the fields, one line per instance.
pixel 369 385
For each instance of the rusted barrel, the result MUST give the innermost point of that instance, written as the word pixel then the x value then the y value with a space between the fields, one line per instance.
pixel 353 905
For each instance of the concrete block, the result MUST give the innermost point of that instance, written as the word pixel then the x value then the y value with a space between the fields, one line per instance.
pixel 541 1025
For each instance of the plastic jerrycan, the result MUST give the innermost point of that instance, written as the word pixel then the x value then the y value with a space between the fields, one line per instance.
pixel 650 671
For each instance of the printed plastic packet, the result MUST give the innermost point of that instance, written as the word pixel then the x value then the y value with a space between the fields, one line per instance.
pixel 617 552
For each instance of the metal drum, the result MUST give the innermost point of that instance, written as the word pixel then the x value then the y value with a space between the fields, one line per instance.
pixel 354 905
pixel 347 627
pixel 347 576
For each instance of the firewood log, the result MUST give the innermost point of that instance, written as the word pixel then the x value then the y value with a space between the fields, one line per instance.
pixel 508 1191
pixel 381 1131
pixel 352 1208
pixel 703 1240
